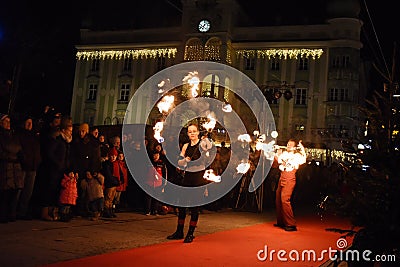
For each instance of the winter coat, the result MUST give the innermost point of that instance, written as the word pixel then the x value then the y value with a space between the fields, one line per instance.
pixel 69 190
pixel 11 175
pixel 31 150
pixel 111 174
pixel 123 170
pixel 85 155
pixel 155 174
pixel 55 161
pixel 94 187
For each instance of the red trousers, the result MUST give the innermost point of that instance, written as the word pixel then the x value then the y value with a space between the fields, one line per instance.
pixel 284 211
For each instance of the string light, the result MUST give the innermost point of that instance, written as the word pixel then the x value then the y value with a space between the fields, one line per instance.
pixel 122 54
pixel 281 53
pixel 335 155
pixel 194 52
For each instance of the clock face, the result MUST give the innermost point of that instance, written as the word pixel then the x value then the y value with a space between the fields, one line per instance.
pixel 204 25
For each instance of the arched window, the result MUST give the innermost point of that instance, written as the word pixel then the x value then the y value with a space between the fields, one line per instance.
pixel 107 121
pixel 115 121
pixel 194 50
pixel 212 50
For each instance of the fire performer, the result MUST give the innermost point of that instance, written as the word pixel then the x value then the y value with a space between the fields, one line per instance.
pixel 190 160
pixel 289 161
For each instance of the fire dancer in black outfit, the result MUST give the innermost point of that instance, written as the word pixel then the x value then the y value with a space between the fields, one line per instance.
pixel 193 177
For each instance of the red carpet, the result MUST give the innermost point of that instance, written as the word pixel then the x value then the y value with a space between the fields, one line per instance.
pixel 238 247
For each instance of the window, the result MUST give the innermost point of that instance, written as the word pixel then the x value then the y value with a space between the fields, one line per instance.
pixel 338 94
pixel 90 120
pixel 341 61
pixel 128 64
pixel 212 49
pixel 346 61
pixel 161 63
pixel 249 64
pixel 301 96
pixel 194 50
pixel 303 64
pixel 275 64
pixel 124 92
pixel 336 62
pixel 92 92
pixel 95 65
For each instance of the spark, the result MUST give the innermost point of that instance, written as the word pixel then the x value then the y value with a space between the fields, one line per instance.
pixel 244 138
pixel 243 167
pixel 210 176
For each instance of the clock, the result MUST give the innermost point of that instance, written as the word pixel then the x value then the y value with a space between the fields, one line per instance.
pixel 204 25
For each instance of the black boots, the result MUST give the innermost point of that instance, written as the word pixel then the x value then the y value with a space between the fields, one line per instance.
pixel 108 213
pixel 189 237
pixel 178 233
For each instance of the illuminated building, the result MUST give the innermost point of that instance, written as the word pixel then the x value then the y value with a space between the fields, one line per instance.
pixel 310 73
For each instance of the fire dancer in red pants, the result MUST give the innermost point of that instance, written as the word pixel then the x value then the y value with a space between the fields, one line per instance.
pixel 289 161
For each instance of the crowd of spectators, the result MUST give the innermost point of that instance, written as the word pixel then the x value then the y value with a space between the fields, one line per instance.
pixel 55 169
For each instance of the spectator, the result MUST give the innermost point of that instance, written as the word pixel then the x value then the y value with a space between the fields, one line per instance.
pixel 68 195
pixel 111 174
pixel 56 160
pixel 11 174
pixel 86 156
pixel 30 164
pixel 121 189
pixel 93 185
pixel 154 183
pixel 104 147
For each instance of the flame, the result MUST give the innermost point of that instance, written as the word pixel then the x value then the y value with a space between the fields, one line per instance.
pixel 244 138
pixel 243 167
pixel 210 176
pixel 161 85
pixel 157 131
pixel 290 161
pixel 210 124
pixel 194 81
pixel 227 108
pixel 166 103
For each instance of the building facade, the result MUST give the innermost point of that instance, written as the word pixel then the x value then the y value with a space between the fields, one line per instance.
pixel 310 74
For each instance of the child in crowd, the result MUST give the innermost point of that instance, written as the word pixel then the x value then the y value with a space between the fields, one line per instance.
pixel 123 170
pixel 154 182
pixel 68 195
pixel 93 185
pixel 112 174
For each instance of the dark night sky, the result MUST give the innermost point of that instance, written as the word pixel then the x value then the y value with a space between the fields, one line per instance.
pixel 40 35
